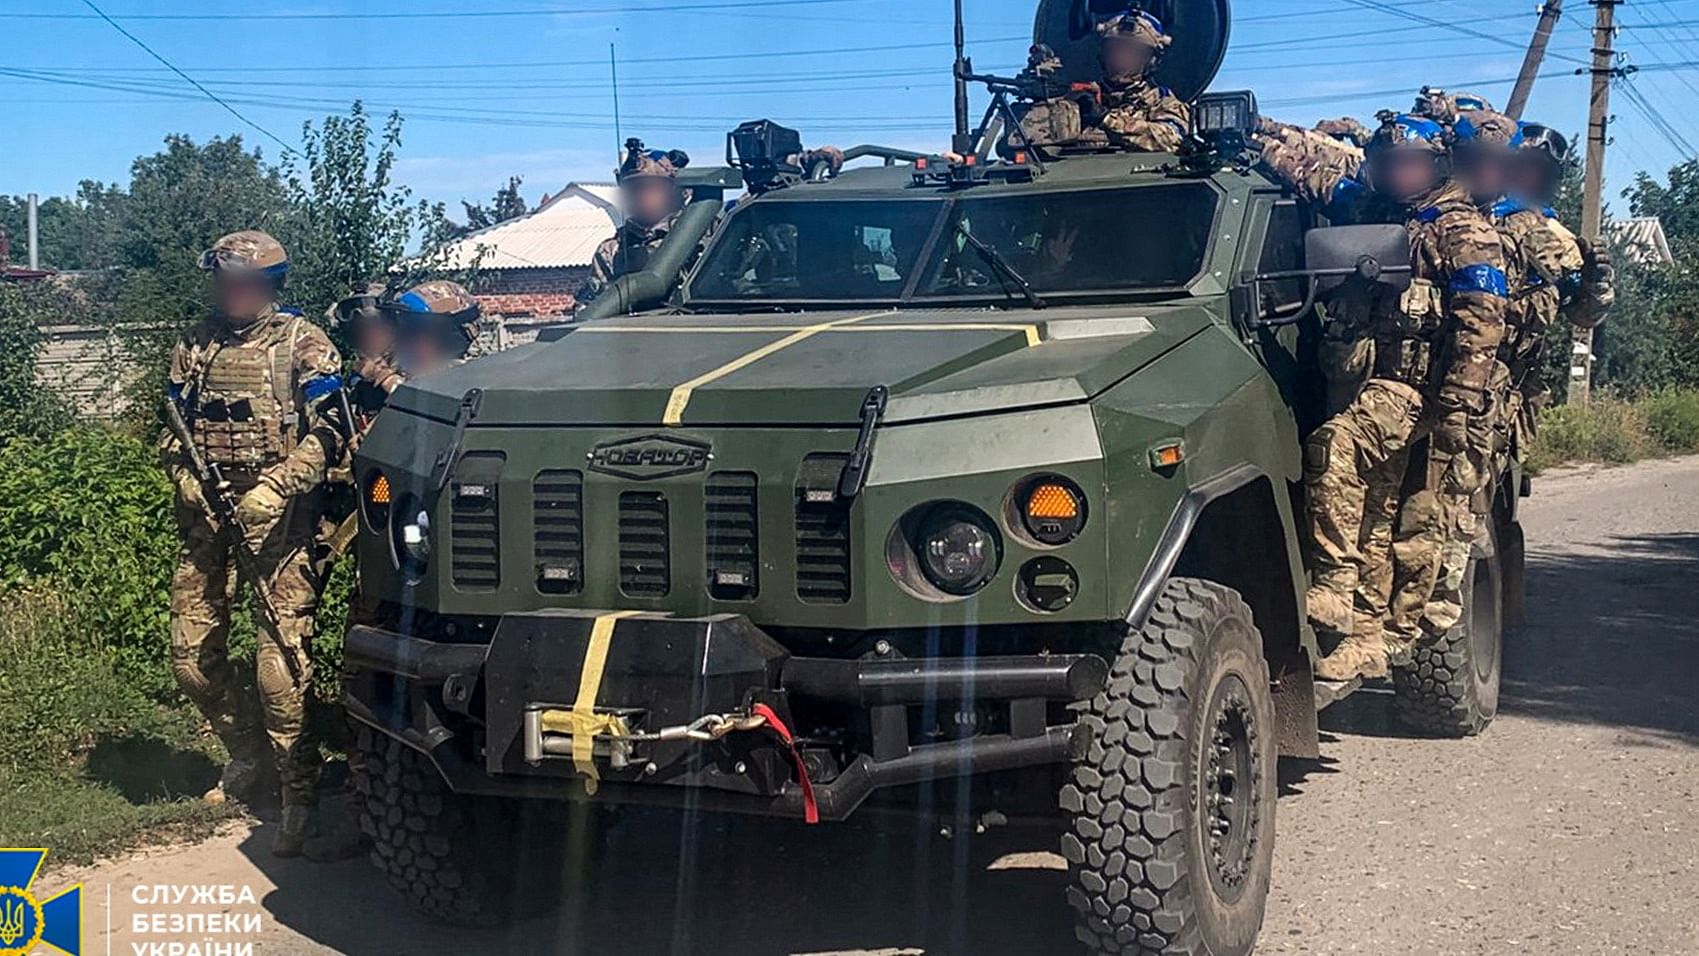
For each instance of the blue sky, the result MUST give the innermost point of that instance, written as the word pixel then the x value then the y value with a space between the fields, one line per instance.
pixel 526 92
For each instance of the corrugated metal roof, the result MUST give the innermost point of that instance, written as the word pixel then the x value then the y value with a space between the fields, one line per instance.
pixel 1644 240
pixel 561 234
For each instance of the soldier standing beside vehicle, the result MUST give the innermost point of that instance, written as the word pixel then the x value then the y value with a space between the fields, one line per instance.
pixel 1433 358
pixel 1549 277
pixel 248 382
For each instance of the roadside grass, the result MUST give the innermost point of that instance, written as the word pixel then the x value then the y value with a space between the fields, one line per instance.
pixel 89 763
pixel 1615 430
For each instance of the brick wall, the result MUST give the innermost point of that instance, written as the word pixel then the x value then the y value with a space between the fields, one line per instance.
pixel 530 291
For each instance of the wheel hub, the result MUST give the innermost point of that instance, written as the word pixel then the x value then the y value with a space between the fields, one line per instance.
pixel 1230 788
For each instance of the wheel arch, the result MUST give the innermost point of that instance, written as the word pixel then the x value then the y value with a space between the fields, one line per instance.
pixel 1237 529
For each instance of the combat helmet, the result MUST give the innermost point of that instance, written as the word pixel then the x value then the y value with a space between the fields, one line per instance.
pixel 641 162
pixel 1408 131
pixel 1478 128
pixel 249 252
pixel 439 310
pixel 1139 27
pixel 1549 146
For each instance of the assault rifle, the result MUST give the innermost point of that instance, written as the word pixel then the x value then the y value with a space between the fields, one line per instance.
pixel 215 491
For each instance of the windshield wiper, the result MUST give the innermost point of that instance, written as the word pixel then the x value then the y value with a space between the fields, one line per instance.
pixel 996 260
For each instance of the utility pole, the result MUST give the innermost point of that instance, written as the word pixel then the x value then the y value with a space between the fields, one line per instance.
pixel 1550 13
pixel 34 241
pixel 1592 200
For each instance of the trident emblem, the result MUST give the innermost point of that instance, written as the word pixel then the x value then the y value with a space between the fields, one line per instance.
pixel 12 912
pixel 36 924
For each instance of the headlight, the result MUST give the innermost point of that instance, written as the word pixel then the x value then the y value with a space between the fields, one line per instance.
pixel 410 536
pixel 958 549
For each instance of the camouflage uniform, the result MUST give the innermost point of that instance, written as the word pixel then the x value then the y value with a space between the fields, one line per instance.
pixel 627 250
pixel 630 247
pixel 1129 111
pixel 246 393
pixel 1433 365
pixel 1326 170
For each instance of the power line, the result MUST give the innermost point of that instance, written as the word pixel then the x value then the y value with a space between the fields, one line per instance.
pixel 233 111
pixel 432 14
pixel 1382 7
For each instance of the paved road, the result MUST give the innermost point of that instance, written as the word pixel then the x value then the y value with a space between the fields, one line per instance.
pixel 1570 827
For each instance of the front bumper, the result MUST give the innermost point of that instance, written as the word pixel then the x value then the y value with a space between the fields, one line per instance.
pixel 862 725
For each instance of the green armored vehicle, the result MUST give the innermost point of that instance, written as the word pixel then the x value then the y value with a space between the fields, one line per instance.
pixel 981 477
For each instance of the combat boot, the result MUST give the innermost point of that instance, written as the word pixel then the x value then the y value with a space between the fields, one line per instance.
pixel 1356 656
pixel 1329 608
pixel 292 831
pixel 344 842
pixel 236 782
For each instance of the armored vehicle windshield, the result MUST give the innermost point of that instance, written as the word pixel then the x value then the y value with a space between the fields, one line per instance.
pixel 971 247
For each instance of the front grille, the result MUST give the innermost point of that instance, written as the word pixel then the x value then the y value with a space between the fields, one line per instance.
pixel 822 533
pixel 733 548
pixel 474 523
pixel 645 543
pixel 558 531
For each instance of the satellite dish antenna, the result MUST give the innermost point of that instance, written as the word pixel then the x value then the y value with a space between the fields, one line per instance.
pixel 1200 29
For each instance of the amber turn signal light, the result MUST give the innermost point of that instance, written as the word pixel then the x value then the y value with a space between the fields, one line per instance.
pixel 1053 510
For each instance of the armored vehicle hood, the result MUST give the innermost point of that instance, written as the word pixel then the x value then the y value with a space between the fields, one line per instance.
pixel 810 368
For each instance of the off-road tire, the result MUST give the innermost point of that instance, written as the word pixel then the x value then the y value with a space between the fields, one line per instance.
pixel 1450 688
pixel 1143 875
pixel 469 861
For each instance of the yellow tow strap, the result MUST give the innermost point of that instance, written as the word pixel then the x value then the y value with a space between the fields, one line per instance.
pixel 583 723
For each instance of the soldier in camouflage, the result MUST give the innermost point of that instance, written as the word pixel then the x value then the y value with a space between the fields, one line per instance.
pixel 1549 277
pixel 1433 357
pixel 1127 109
pixel 651 200
pixel 250 381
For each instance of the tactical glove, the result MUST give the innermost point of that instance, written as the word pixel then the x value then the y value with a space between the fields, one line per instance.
pixel 378 371
pixel 258 512
pixel 190 495
pixel 1451 434
pixel 1598 267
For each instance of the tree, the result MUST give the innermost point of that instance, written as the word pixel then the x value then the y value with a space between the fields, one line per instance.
pixel 75 233
pixel 506 204
pixel 354 222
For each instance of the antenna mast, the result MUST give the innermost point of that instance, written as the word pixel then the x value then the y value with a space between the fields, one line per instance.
pixel 613 73
pixel 962 143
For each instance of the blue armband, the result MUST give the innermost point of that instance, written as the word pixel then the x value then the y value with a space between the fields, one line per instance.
pixel 1480 278
pixel 319 386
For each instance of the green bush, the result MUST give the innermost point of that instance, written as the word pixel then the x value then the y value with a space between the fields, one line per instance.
pixel 1611 430
pixel 1672 419
pixel 86 514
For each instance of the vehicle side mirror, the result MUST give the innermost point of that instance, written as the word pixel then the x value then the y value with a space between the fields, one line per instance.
pixel 1333 255
pixel 1373 253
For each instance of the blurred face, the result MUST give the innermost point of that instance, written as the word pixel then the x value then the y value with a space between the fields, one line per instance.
pixel 373 335
pixel 1404 174
pixel 649 199
pixel 1482 172
pixel 241 298
pixel 420 353
pixel 1124 57
pixel 1528 176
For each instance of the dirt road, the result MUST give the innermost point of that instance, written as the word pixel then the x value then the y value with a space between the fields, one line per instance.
pixel 1572 826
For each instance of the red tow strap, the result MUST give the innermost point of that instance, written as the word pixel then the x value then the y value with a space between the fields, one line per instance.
pixel 810 809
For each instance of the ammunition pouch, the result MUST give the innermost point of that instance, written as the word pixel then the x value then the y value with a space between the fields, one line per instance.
pixel 1053 122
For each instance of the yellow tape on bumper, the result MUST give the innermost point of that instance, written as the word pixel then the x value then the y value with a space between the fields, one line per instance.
pixel 589 685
